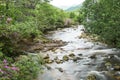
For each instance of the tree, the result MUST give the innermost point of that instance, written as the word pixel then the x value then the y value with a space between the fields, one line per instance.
pixel 102 18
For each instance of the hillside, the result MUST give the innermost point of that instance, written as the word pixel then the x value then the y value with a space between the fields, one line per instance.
pixel 73 8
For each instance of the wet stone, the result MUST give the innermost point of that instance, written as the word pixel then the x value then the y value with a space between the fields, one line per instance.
pixel 49 61
pixel 48 67
pixel 76 58
pixel 65 58
pixel 117 68
pixel 93 56
pixel 72 55
pixel 108 64
pixel 59 61
pixel 91 77
pixel 46 57
pixel 60 69
pixel 56 58
pixel 80 54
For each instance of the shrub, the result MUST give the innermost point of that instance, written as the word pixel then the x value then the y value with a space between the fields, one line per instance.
pixel 8 71
pixel 26 68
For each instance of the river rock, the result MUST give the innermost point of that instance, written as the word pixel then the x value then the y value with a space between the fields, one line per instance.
pixel 108 75
pixel 48 67
pixel 49 61
pixel 117 75
pixel 46 57
pixel 82 29
pixel 108 64
pixel 59 61
pixel 60 69
pixel 65 58
pixel 80 54
pixel 117 68
pixel 76 58
pixel 95 75
pixel 72 55
pixel 91 77
pixel 56 58
pixel 93 56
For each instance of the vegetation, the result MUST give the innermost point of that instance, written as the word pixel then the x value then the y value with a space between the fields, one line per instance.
pixel 76 13
pixel 27 20
pixel 22 20
pixel 101 17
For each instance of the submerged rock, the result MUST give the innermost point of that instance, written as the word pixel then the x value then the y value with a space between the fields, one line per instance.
pixel 76 58
pixel 48 67
pixel 80 54
pixel 59 61
pixel 91 77
pixel 60 69
pixel 93 56
pixel 94 75
pixel 72 55
pixel 65 58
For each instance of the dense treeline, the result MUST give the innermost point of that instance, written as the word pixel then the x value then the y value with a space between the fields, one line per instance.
pixel 24 21
pixel 102 17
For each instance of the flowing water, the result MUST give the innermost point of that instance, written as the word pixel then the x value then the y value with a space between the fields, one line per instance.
pixel 83 49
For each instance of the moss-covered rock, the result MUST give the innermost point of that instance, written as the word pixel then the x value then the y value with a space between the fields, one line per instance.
pixel 72 55
pixel 48 61
pixel 65 58
pixel 91 77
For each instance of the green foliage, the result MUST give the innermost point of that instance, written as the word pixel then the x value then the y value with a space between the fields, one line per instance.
pixel 29 68
pixel 26 29
pixel 25 20
pixel 51 19
pixel 80 16
pixel 26 68
pixel 102 18
pixel 72 15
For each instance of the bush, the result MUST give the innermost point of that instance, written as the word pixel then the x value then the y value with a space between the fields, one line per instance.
pixel 26 68
pixel 8 71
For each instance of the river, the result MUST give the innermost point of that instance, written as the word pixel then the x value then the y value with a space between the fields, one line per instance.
pixel 83 56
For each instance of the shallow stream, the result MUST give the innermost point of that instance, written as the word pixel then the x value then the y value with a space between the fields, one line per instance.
pixel 86 59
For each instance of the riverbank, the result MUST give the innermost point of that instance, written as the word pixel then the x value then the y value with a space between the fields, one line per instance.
pixel 110 68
